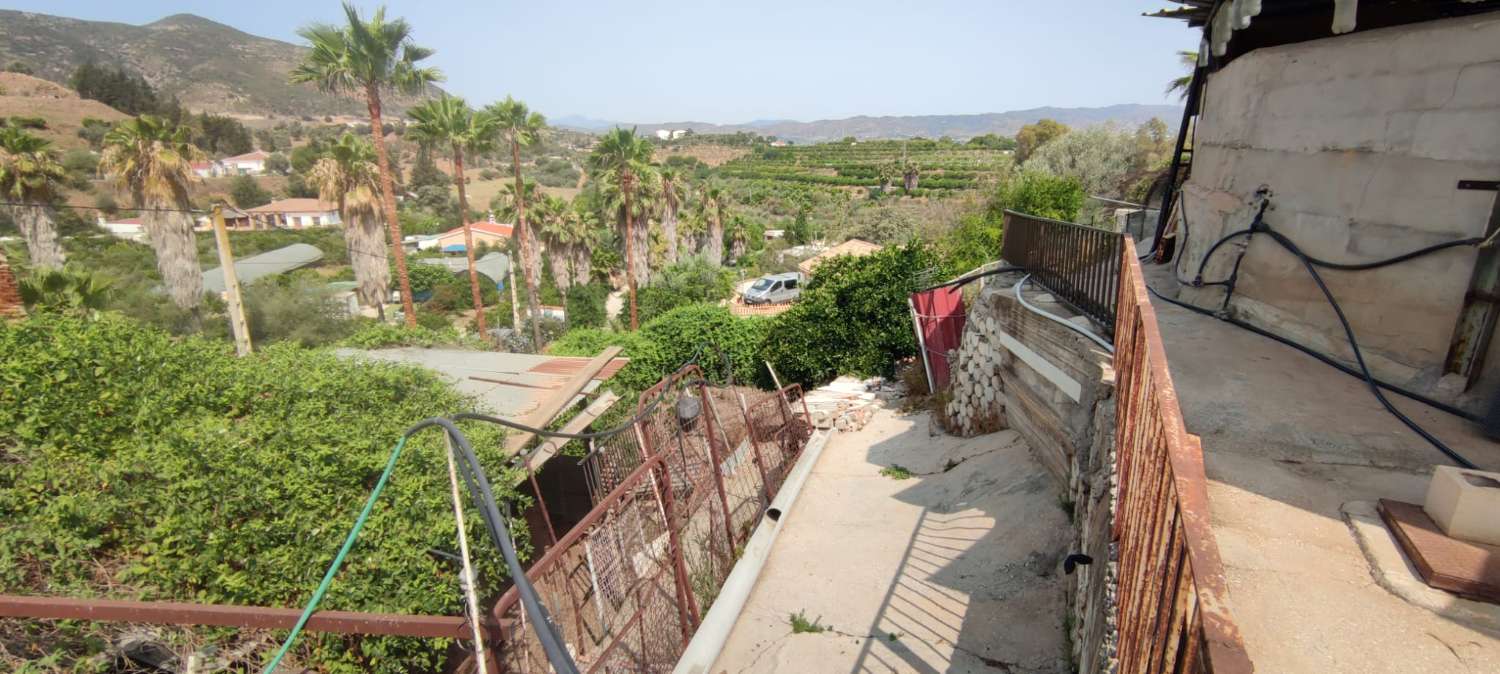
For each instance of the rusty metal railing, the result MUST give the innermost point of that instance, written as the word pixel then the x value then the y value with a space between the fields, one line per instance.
pixel 1077 263
pixel 675 502
pixel 1173 602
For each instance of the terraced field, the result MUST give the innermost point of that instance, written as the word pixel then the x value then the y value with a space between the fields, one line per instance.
pixel 941 166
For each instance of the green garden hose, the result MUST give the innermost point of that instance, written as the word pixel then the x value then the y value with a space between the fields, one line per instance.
pixel 338 560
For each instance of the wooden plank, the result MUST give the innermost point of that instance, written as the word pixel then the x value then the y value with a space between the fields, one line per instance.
pixel 1468 569
pixel 549 407
pixel 577 424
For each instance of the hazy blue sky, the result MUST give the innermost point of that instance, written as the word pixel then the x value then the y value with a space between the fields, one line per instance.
pixel 650 61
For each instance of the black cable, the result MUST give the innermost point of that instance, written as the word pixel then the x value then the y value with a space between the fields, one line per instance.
pixel 1327 360
pixel 479 488
pixel 1364 371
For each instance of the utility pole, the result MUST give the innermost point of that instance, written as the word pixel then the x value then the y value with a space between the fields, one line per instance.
pixel 237 323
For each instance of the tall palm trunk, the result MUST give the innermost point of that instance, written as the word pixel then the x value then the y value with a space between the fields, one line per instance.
pixel 529 264
pixel 171 234
pixel 583 263
pixel 388 199
pixel 626 185
pixel 669 227
pixel 713 248
pixel 40 234
pixel 463 219
pixel 560 257
pixel 372 275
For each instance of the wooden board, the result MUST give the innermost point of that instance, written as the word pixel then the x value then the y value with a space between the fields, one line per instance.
pixel 1471 570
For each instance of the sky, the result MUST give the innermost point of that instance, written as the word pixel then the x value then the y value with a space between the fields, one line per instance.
pixel 648 61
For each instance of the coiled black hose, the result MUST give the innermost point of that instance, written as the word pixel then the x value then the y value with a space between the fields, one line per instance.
pixel 1311 264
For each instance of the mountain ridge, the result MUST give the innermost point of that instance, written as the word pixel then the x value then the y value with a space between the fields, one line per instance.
pixel 207 65
pixel 866 127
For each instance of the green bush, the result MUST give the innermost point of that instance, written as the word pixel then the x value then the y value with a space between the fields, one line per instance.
pixel 688 282
pixel 426 277
pixel 299 311
pixel 853 317
pixel 140 466
pixel 385 335
pixel 584 306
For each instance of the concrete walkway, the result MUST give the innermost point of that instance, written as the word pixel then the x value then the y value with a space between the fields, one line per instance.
pixel 1287 442
pixel 954 569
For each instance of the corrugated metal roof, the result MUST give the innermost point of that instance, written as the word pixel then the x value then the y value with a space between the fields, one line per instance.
pixel 509 384
pixel 269 263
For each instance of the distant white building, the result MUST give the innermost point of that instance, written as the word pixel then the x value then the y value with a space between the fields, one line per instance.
pixel 130 229
pixel 670 134
pixel 295 214
pixel 248 164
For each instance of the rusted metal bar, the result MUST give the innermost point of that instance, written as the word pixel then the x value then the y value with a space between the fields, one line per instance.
pixel 1173 604
pixel 716 457
pixel 687 608
pixel 224 615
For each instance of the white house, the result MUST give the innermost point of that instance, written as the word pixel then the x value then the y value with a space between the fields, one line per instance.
pixel 130 229
pixel 295 214
pixel 248 164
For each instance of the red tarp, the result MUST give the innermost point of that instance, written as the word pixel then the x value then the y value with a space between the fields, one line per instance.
pixel 940 317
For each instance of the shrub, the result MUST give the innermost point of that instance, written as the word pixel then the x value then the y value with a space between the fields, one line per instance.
pixel 584 306
pixel 298 311
pixel 445 298
pixel 247 193
pixel 853 317
pixel 385 335
pixel 426 277
pixel 680 333
pixel 146 467
pixel 688 282
pixel 28 122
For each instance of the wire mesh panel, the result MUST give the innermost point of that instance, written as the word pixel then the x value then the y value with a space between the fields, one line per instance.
pixel 675 499
pixel 1173 608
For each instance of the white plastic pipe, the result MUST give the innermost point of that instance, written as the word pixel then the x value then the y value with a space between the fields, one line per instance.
pixel 714 631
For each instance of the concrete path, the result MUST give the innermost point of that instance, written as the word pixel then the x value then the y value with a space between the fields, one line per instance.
pixel 1287 443
pixel 954 569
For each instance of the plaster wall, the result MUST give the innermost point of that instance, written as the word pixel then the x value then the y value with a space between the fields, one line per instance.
pixel 1361 139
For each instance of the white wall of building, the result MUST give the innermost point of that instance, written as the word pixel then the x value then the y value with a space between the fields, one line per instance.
pixel 1362 139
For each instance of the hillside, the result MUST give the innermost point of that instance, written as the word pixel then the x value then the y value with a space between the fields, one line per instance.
pixel 208 66
pixel 25 96
pixel 927 126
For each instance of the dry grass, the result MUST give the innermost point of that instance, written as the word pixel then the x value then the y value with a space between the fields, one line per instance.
pixel 64 111
pixel 481 191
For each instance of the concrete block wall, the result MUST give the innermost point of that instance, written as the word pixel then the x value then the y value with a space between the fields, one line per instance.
pixel 1016 369
pixel 1362 139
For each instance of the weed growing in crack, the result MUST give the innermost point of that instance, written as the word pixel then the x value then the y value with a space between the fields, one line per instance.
pixel 896 472
pixel 801 625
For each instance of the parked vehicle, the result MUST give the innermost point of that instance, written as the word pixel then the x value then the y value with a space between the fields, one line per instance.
pixel 775 288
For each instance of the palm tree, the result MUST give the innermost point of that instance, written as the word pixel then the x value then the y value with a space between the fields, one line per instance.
pixel 643 207
pixel 450 120
pixel 1189 60
pixel 347 174
pixel 11 304
pixel 585 229
pixel 29 178
pixel 520 127
pixel 674 189
pixel 506 205
pixel 738 238
pixel 552 218
pixel 151 158
pixel 65 291
pixel 618 159
pixel 365 59
pixel 713 202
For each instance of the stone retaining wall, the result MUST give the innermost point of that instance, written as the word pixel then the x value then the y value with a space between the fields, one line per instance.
pixel 1017 369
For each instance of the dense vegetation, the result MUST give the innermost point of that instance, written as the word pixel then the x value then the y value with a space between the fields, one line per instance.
pixel 133 464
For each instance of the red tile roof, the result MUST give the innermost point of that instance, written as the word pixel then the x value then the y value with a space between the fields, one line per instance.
pixel 257 155
pixel 494 228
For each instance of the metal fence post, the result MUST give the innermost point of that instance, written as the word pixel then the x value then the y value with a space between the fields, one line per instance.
pixel 717 459
pixel 687 607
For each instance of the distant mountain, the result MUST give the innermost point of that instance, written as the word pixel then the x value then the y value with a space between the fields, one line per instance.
pixel 209 66
pixel 927 126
